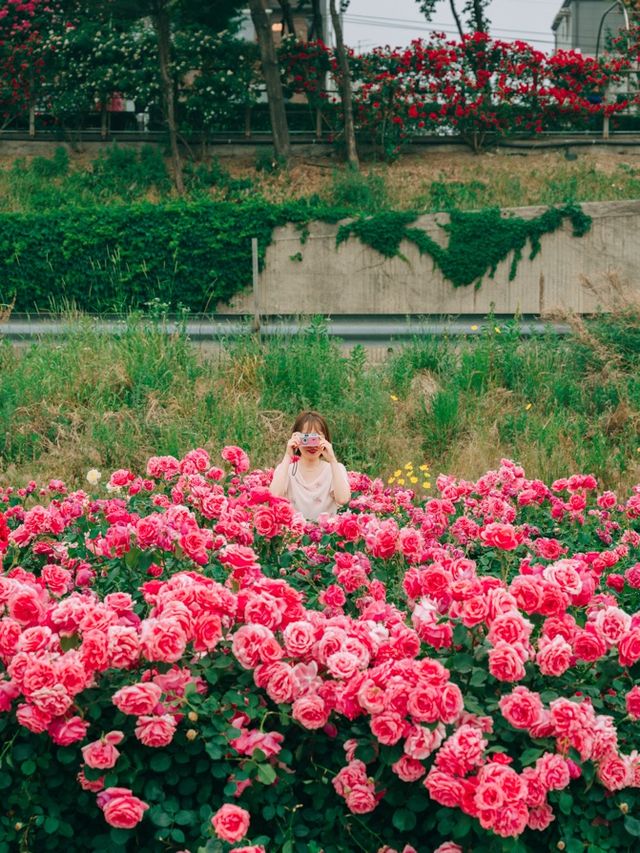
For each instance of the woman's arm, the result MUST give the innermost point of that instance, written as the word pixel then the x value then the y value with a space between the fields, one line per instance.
pixel 339 483
pixel 280 481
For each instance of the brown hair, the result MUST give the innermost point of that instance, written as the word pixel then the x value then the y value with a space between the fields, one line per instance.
pixel 315 421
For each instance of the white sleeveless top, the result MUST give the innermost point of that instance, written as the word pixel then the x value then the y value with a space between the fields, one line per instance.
pixel 314 497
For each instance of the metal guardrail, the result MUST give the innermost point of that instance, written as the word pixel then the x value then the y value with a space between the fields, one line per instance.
pixel 352 329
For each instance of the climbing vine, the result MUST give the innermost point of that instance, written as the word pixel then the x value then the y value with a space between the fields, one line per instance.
pixel 195 254
pixel 478 241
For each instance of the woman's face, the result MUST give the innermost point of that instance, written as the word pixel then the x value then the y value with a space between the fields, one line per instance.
pixel 310 452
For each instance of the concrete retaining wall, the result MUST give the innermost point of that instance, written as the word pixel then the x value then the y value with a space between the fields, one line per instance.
pixel 574 274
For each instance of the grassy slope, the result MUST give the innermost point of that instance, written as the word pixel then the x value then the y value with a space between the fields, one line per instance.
pixel 430 180
pixel 556 405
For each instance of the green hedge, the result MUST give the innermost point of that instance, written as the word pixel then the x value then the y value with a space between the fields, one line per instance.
pixel 106 258
pixel 112 258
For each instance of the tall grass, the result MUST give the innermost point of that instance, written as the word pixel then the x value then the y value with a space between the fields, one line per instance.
pixel 123 175
pixel 557 405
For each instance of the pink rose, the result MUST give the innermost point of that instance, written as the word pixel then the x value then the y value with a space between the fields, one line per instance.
pixel 361 799
pixel 230 822
pixel 540 817
pixel 614 772
pixel 521 708
pixel 629 647
pixel 502 536
pixel 388 727
pixel 632 700
pixel 553 771
pixel 505 662
pixel 156 730
pixel 264 521
pixel 65 732
pixel 451 703
pixel 408 769
pixel 120 808
pixel 162 640
pixel 102 754
pixel 554 656
pixel 310 711
pixel 236 457
pixel 93 785
pixel 137 699
pixel 444 788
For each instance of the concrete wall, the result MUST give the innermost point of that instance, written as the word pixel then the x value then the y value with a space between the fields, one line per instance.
pixel 570 273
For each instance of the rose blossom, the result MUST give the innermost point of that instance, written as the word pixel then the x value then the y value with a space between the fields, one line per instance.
pixel 157 730
pixel 521 708
pixel 120 808
pixel 102 754
pixel 230 822
pixel 137 699
pixel 632 700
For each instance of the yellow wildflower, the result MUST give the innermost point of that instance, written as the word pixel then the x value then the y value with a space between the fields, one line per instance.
pixel 426 485
pixel 397 473
pixel 401 482
pixel 394 398
pixel 528 406
pixel 413 479
pixel 474 328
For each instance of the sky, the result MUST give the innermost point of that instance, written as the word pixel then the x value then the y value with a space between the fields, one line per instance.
pixel 369 23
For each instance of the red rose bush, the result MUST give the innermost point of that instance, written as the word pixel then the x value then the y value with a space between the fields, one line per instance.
pixel 194 663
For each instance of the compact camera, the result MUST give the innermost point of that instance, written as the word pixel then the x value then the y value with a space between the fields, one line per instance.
pixel 310 439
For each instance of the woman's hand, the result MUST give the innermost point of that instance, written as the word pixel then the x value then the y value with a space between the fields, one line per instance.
pixel 293 443
pixel 326 449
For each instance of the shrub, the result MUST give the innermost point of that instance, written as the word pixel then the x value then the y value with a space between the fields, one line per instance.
pixel 187 662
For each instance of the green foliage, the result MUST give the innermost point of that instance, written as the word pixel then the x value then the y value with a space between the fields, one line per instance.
pixel 478 241
pixel 355 190
pixel 128 173
pixel 51 167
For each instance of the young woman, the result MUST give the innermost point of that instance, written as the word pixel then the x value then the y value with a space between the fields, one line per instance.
pixel 309 474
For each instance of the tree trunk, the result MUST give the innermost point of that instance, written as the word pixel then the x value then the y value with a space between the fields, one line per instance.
pixel 454 12
pixel 271 73
pixel 163 34
pixel 479 20
pixel 317 28
pixel 346 92
pixel 287 17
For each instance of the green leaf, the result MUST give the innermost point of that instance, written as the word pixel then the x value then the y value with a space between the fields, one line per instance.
pixel 51 825
pixel 479 677
pixel 404 820
pixel 461 663
pixel 632 825
pixel 160 818
pixel 120 837
pixel 266 774
pixel 160 762
pixel 529 756
pixel 565 802
pixel 28 767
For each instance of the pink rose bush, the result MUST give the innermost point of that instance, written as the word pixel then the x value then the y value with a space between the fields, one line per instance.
pixel 188 660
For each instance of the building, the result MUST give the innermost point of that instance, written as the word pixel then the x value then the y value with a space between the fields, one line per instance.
pixel 576 25
pixel 302 23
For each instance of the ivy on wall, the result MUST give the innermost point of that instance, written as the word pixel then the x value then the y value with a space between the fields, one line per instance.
pixel 103 259
pixel 478 241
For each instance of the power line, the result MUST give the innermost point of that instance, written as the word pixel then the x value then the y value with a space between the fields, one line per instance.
pixel 435 25
pixel 398 23
pixel 419 28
